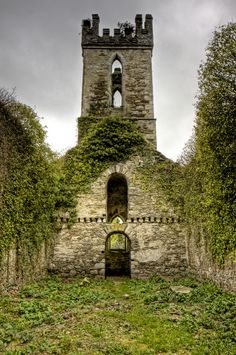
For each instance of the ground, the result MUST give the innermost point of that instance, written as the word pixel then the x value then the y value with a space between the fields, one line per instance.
pixel 118 316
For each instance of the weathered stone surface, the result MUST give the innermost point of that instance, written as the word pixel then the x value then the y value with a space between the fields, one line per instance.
pixel 157 246
pixel 181 289
pixel 158 241
pixel 134 53
pixel 202 266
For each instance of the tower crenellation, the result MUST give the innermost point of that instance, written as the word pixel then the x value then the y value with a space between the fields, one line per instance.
pixel 117 73
pixel 142 35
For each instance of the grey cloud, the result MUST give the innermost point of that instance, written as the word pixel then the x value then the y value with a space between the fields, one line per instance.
pixel 40 55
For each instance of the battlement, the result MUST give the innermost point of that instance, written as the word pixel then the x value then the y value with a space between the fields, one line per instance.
pixel 140 37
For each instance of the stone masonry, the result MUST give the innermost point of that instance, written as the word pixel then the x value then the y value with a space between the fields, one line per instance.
pixel 119 229
pixel 134 54
pixel 157 238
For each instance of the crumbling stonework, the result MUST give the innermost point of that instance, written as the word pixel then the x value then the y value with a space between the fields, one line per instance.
pixel 157 238
pixel 153 236
pixel 202 266
pixel 134 53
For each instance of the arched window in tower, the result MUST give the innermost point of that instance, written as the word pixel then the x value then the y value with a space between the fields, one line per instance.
pixel 116 65
pixel 117 99
pixel 117 199
pixel 116 83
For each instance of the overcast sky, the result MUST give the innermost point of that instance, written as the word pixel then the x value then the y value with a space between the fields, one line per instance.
pixel 40 56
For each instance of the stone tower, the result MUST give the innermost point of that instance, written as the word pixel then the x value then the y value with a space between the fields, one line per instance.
pixel 117 73
pixel 122 228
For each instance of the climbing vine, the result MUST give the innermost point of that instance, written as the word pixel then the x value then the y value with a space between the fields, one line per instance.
pixel 29 180
pixel 107 141
pixel 162 177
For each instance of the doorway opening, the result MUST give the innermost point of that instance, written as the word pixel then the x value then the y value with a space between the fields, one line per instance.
pixel 117 255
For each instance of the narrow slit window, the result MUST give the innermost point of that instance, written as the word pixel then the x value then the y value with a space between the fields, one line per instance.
pixel 116 79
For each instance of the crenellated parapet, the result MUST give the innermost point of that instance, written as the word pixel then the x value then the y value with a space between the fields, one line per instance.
pixel 142 36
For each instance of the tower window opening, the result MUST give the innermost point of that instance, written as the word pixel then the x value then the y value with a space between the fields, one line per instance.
pixel 116 66
pixel 117 99
pixel 116 80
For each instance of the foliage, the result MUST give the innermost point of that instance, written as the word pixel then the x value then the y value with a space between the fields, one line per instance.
pixel 108 140
pixel 88 316
pixel 161 176
pixel 210 170
pixel 126 28
pixel 29 181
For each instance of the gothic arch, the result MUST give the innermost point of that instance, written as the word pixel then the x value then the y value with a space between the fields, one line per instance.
pixel 116 64
pixel 116 56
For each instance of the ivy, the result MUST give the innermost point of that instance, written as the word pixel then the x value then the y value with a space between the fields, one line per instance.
pixel 107 141
pixel 29 179
pixel 162 177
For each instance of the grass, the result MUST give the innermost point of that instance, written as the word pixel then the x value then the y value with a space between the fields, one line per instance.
pixel 87 316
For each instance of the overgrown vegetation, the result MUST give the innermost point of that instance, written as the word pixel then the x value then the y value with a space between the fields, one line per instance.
pixel 126 28
pixel 28 180
pixel 86 316
pixel 163 177
pixel 209 159
pixel 36 185
pixel 108 140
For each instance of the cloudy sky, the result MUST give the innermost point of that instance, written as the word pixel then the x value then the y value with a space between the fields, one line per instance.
pixel 40 56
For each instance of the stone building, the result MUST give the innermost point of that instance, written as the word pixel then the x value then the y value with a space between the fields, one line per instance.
pixel 121 228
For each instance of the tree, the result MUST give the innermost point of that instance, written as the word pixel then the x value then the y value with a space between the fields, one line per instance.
pixel 215 142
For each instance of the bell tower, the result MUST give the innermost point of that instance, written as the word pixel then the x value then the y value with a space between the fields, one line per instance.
pixel 117 73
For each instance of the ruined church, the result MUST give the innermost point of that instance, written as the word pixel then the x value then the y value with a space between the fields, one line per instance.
pixel 121 229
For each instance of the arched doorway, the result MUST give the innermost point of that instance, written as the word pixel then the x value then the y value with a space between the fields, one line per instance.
pixel 117 254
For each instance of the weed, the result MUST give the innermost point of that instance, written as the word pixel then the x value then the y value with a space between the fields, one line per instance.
pixel 60 317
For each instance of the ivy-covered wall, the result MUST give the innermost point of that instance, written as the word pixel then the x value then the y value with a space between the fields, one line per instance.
pixel 29 192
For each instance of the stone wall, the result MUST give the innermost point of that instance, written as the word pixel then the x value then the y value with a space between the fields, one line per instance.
pixel 136 80
pixel 157 238
pixel 136 87
pixel 155 248
pixel 202 266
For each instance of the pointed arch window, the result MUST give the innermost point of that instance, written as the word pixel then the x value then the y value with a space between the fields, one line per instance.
pixel 116 65
pixel 116 83
pixel 117 220
pixel 117 99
